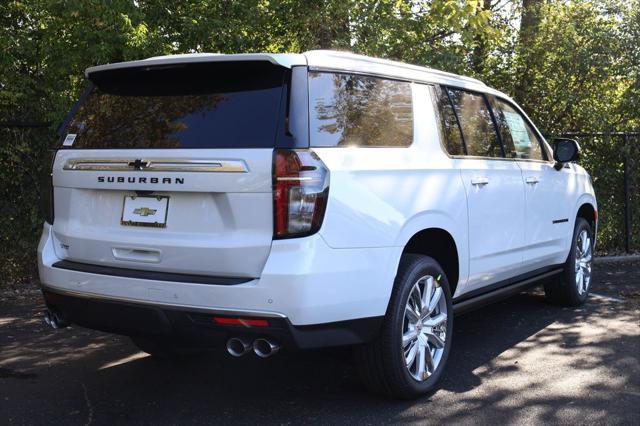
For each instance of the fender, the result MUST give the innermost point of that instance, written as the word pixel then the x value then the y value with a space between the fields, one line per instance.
pixel 583 199
pixel 440 220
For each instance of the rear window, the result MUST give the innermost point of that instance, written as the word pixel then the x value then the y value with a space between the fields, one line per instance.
pixel 476 122
pixel 205 105
pixel 354 110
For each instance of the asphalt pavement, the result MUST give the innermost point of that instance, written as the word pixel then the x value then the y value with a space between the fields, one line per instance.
pixel 520 361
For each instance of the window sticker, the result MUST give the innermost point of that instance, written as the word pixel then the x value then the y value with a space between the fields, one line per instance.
pixel 68 141
pixel 519 132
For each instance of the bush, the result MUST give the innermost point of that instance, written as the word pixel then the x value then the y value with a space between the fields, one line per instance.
pixel 23 166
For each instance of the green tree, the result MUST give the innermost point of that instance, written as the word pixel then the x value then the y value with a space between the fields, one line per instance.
pixel 572 64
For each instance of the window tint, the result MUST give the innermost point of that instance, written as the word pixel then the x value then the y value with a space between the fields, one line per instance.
pixel 518 138
pixel 209 105
pixel 449 129
pixel 477 125
pixel 353 110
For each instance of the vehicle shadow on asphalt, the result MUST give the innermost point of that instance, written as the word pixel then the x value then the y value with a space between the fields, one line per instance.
pixel 496 371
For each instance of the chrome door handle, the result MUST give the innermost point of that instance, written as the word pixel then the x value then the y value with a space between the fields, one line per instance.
pixel 480 181
pixel 532 180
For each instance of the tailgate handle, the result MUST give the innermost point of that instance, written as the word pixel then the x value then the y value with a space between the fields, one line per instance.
pixel 136 255
pixel 480 181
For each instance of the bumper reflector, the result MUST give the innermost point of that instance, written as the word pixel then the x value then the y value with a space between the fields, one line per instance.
pixel 245 322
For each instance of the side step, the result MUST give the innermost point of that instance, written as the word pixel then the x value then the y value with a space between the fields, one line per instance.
pixel 498 294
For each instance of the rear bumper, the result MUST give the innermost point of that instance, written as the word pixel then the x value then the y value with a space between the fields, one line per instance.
pixel 305 283
pixel 197 327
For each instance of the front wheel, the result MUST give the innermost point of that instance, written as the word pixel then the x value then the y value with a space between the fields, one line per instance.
pixel 408 357
pixel 572 287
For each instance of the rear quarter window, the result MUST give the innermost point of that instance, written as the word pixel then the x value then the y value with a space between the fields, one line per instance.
pixel 354 110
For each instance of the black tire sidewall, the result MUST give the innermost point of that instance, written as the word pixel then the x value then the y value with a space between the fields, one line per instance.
pixel 416 268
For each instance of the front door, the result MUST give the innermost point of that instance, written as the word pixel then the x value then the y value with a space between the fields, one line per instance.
pixel 546 190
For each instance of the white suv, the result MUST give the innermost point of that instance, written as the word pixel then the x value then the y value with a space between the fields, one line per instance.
pixel 260 201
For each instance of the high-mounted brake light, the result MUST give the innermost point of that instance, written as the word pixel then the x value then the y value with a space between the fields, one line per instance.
pixel 300 192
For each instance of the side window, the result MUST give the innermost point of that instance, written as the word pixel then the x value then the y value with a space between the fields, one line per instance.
pixel 354 110
pixel 449 128
pixel 479 132
pixel 519 139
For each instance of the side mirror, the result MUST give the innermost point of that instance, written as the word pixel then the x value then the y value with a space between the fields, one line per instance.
pixel 565 151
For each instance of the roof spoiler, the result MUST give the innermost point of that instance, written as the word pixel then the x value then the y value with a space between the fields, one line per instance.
pixel 284 60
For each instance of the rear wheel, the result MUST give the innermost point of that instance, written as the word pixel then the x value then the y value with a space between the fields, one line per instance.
pixel 572 287
pixel 408 357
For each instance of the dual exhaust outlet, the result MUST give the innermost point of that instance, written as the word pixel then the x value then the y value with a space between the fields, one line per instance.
pixel 54 319
pixel 262 347
pixel 236 346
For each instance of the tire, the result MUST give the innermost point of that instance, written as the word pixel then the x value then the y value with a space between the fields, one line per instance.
pixel 381 363
pixel 571 288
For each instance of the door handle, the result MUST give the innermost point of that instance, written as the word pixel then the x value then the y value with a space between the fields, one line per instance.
pixel 480 181
pixel 532 180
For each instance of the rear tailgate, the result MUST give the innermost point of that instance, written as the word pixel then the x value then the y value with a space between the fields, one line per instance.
pixel 169 169
pixel 217 223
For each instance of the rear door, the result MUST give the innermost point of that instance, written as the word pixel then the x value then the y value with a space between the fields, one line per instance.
pixel 169 169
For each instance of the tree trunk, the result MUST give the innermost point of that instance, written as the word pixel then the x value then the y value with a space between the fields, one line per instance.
pixel 332 28
pixel 481 48
pixel 529 23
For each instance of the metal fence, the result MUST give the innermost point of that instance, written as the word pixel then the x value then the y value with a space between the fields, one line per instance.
pixel 612 159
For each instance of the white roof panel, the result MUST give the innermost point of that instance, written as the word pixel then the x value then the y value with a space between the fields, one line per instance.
pixel 344 61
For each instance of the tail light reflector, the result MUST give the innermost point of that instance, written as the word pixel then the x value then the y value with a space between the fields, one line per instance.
pixel 301 189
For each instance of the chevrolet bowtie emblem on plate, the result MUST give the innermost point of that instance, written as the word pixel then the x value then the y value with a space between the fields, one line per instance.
pixel 138 164
pixel 144 211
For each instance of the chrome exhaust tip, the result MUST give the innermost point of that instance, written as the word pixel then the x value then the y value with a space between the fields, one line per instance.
pixel 264 348
pixel 54 320
pixel 47 319
pixel 237 347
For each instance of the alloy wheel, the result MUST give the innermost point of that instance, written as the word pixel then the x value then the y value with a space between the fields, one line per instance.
pixel 583 262
pixel 424 328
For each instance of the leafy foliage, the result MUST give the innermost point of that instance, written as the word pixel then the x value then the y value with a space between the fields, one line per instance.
pixel 572 64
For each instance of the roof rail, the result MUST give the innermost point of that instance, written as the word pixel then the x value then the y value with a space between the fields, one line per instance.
pixel 364 58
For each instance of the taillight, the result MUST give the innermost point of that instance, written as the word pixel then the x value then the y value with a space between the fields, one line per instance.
pixel 300 193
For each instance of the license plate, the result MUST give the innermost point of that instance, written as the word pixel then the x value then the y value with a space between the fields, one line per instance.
pixel 145 211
